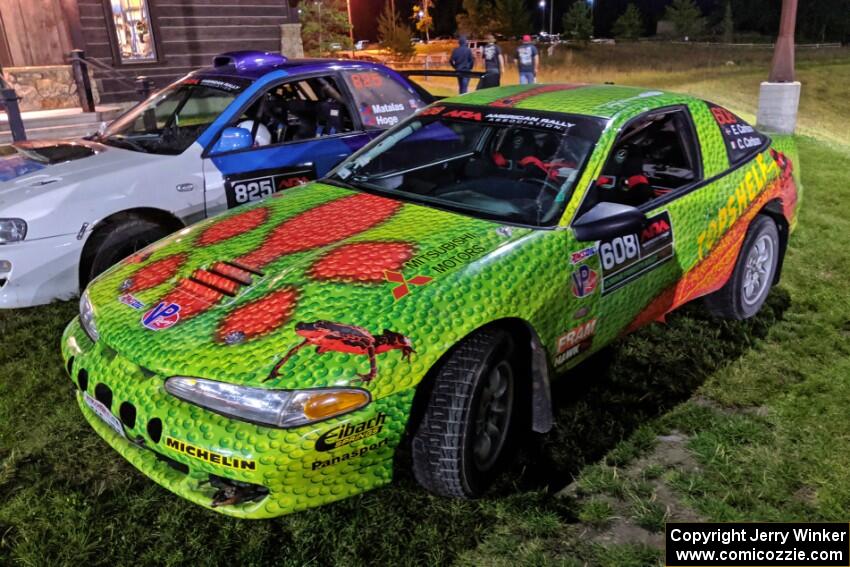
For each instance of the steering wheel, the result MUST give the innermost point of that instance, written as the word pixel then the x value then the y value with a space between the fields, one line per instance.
pixel 545 185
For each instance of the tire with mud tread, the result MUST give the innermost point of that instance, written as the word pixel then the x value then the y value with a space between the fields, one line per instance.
pixel 748 286
pixel 471 417
pixel 116 240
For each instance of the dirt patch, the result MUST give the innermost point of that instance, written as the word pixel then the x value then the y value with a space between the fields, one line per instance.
pixel 643 501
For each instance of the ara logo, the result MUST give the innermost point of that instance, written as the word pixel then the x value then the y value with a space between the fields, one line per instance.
pixel 161 317
pixel 657 228
pixel 463 114
pixel 584 281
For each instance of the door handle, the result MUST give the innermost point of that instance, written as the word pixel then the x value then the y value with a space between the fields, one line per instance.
pixel 184 187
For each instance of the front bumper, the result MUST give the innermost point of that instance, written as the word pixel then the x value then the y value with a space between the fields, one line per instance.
pixel 42 270
pixel 182 446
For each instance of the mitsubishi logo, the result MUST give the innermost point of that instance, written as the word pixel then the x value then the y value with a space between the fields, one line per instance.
pixel 403 288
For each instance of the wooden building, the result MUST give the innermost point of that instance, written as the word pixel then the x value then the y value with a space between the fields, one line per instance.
pixel 160 39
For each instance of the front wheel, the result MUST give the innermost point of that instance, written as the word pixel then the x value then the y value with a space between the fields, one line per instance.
pixel 750 282
pixel 465 433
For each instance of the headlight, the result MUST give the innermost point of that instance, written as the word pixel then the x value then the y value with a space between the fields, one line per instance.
pixel 12 230
pixel 275 408
pixel 87 317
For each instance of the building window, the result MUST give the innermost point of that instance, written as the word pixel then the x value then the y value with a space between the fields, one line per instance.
pixel 133 31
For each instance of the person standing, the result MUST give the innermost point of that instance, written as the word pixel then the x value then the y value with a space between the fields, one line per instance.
pixel 494 63
pixel 462 60
pixel 528 61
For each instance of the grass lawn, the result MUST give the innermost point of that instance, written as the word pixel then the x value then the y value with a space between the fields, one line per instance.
pixel 694 419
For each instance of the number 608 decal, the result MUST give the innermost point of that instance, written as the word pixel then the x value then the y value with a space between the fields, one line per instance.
pixel 627 257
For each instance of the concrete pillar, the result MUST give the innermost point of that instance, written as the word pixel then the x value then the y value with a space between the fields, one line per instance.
pixel 778 104
pixel 290 41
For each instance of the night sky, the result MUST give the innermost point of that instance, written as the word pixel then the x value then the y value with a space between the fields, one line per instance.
pixel 365 13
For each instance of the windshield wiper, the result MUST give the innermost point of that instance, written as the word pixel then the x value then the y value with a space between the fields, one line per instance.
pixel 124 142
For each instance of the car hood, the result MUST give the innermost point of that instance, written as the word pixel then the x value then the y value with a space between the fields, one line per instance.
pixel 306 289
pixel 40 177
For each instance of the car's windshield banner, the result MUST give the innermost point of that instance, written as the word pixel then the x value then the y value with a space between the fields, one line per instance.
pixel 501 117
pixel 229 85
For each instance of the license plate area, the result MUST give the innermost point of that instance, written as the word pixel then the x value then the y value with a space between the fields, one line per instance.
pixel 104 414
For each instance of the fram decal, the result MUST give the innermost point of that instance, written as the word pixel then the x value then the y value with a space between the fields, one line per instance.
pixel 583 281
pixel 130 300
pixel 575 341
pixel 161 317
pixel 627 257
pixel 348 433
pixel 403 287
pixel 327 336
pixel 583 255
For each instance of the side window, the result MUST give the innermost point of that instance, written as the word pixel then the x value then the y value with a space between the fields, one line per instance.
pixel 381 100
pixel 298 110
pixel 654 156
pixel 742 140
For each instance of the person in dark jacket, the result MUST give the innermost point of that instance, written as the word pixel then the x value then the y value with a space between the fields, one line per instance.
pixel 462 60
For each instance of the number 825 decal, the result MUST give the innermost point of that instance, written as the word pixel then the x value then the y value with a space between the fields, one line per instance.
pixel 244 188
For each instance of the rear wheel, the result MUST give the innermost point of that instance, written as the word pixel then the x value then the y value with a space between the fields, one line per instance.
pixel 750 282
pixel 117 240
pixel 468 424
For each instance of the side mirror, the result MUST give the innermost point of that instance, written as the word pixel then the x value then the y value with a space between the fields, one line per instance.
pixel 233 138
pixel 608 220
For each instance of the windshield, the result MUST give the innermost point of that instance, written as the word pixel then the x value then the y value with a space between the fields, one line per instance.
pixel 174 118
pixel 502 164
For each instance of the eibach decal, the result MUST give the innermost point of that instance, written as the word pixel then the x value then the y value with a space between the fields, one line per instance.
pixel 243 188
pixel 327 336
pixel 348 433
pixel 627 257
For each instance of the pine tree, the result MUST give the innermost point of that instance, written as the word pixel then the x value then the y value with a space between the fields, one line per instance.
pixel 630 24
pixel 324 22
pixel 394 34
pixel 477 19
pixel 686 17
pixel 512 17
pixel 578 21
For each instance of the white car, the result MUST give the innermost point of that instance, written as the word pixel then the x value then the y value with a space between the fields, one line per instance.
pixel 251 125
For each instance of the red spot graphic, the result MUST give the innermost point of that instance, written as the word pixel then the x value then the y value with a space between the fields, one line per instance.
pixel 362 261
pixel 233 226
pixel 154 273
pixel 322 225
pixel 192 297
pixel 259 317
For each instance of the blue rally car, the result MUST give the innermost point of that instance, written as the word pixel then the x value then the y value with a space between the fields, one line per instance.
pixel 253 124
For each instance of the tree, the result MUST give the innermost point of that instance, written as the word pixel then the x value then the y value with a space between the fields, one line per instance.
pixel 394 35
pixel 686 17
pixel 578 21
pixel 512 17
pixel 422 19
pixel 324 22
pixel 477 19
pixel 728 24
pixel 630 24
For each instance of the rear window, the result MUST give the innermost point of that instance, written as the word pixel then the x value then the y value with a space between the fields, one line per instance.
pixel 741 139
pixel 381 100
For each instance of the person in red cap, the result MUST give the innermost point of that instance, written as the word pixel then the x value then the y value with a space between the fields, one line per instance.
pixel 528 61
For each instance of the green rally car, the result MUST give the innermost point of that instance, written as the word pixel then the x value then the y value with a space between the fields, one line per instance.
pixel 426 291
